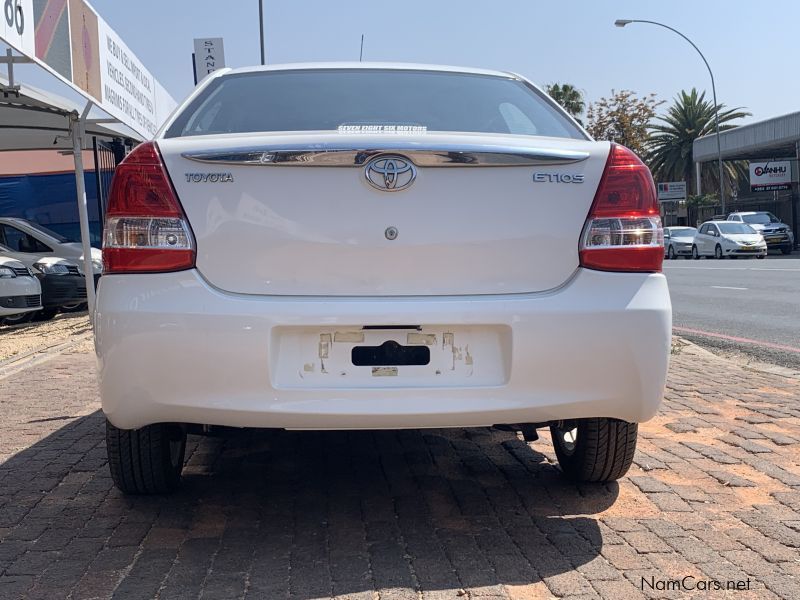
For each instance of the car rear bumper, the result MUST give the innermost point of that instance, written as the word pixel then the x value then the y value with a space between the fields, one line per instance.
pixel 171 348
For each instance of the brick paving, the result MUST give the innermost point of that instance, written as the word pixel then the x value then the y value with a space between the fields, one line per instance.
pixel 714 494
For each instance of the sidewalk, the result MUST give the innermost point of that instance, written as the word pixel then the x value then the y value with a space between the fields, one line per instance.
pixel 714 495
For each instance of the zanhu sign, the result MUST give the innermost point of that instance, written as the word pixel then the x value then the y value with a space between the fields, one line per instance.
pixel 770 176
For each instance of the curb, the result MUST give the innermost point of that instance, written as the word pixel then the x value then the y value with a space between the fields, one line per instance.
pixel 684 346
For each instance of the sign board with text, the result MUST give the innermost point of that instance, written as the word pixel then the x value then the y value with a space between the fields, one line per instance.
pixel 71 41
pixel 672 190
pixel 209 55
pixel 770 176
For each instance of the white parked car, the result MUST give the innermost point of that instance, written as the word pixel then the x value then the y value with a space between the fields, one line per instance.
pixel 20 292
pixel 62 282
pixel 678 241
pixel 356 246
pixel 21 235
pixel 726 238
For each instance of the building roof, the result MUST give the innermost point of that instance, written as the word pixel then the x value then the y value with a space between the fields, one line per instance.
pixel 773 138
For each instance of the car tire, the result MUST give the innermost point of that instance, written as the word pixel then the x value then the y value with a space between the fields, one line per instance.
pixel 718 252
pixel 596 449
pixel 761 256
pixel 45 314
pixel 147 460
pixel 671 253
pixel 73 308
pixel 786 249
pixel 17 319
pixel 695 253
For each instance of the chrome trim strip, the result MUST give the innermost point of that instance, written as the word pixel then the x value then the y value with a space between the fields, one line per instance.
pixel 422 155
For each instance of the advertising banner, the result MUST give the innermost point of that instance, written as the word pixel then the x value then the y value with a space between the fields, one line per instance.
pixel 672 190
pixel 69 39
pixel 770 176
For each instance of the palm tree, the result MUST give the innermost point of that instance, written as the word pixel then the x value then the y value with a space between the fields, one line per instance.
pixel 568 96
pixel 671 141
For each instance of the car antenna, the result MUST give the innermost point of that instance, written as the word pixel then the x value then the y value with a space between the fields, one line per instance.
pixel 361 53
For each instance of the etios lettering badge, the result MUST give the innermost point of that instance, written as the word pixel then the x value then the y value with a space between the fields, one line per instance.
pixel 209 178
pixel 558 177
pixel 390 173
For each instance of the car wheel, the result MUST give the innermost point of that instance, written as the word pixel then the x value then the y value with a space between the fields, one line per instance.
pixel 695 253
pixel 77 307
pixel 594 450
pixel 17 319
pixel 45 314
pixel 671 253
pixel 761 256
pixel 147 460
pixel 718 252
pixel 786 249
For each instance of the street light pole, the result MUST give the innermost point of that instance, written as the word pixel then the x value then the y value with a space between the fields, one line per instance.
pixel 622 23
pixel 261 26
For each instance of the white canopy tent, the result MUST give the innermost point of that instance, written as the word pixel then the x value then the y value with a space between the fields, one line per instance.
pixel 32 119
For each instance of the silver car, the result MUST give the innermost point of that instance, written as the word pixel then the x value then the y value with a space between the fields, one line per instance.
pixel 678 241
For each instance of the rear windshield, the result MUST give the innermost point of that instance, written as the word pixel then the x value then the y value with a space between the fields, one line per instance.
pixel 352 99
pixel 735 228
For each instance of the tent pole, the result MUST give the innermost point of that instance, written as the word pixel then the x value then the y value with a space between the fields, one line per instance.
pixel 77 124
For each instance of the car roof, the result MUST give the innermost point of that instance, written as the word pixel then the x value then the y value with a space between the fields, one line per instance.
pixel 386 66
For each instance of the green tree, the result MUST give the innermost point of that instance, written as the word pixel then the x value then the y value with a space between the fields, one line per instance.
pixel 568 96
pixel 672 138
pixel 623 118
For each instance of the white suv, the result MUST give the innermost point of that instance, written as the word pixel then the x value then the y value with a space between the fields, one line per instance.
pixel 358 246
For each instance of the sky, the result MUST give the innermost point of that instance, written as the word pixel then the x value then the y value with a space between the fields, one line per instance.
pixel 751 46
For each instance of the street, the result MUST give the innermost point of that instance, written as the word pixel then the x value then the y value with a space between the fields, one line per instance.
pixel 750 306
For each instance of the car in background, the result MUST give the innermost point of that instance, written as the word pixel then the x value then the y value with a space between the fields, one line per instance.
pixel 727 238
pixel 20 292
pixel 63 285
pixel 678 241
pixel 26 236
pixel 776 233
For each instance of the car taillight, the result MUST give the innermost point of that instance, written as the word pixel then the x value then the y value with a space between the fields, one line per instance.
pixel 146 230
pixel 623 230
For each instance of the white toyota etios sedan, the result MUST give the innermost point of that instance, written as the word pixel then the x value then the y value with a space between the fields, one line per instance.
pixel 346 246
